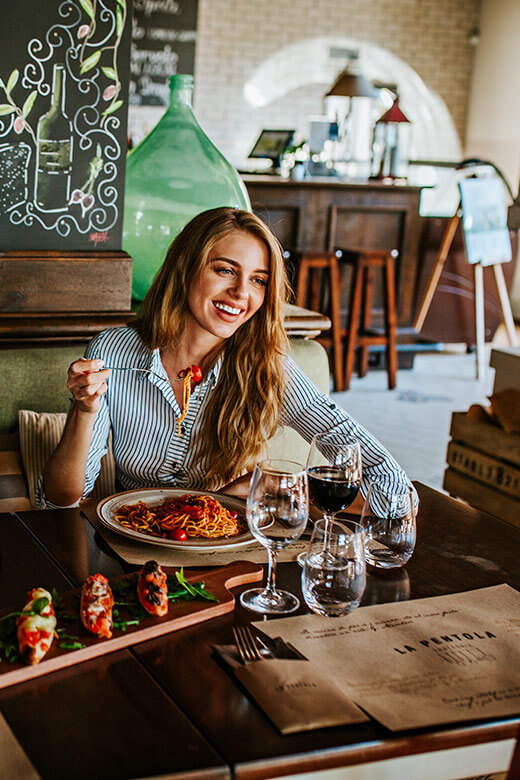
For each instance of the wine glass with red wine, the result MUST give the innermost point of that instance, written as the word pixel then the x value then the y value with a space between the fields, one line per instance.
pixel 334 474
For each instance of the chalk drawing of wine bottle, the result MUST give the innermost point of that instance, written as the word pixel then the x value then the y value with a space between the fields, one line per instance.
pixel 54 151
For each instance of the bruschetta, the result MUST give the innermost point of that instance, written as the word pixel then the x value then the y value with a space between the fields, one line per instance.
pixel 35 626
pixel 97 602
pixel 152 589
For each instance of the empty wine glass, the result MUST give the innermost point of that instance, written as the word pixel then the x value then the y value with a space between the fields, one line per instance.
pixel 333 584
pixel 277 511
pixel 388 519
pixel 334 473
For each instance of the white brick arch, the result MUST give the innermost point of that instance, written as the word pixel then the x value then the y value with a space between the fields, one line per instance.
pixel 307 64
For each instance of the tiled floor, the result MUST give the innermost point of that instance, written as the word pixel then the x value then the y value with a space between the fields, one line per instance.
pixel 413 421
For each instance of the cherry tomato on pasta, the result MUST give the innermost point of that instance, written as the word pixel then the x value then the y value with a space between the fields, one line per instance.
pixel 178 535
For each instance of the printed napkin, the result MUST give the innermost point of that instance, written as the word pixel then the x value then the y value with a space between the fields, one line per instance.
pixel 293 692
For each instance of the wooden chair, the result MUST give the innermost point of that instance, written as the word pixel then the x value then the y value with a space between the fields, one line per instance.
pixel 359 333
pixel 315 268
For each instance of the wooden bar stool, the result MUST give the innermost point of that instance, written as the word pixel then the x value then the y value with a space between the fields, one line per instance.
pixel 359 333
pixel 312 266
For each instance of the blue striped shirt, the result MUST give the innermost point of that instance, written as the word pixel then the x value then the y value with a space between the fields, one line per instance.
pixel 142 412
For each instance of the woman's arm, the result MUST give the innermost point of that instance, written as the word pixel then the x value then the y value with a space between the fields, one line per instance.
pixel 309 411
pixel 64 473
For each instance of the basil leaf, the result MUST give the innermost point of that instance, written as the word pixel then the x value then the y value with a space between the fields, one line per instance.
pixel 37 607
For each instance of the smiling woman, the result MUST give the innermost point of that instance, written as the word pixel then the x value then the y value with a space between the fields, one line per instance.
pixel 231 288
pixel 216 303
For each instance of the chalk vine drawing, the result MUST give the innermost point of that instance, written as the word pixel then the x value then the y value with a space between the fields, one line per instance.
pixel 79 53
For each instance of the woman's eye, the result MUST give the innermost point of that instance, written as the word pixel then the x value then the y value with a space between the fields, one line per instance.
pixel 260 280
pixel 224 271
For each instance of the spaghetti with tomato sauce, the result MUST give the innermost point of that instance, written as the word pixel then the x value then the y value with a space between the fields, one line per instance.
pixel 197 516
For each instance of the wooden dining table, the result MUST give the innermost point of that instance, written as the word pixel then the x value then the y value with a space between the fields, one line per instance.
pixel 168 708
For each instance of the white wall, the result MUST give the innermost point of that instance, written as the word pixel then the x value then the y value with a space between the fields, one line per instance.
pixel 493 130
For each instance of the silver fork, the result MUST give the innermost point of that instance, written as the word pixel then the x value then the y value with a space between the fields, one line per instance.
pixel 246 644
pixel 146 371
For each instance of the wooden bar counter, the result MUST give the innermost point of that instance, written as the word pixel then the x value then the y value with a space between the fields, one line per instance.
pixel 324 213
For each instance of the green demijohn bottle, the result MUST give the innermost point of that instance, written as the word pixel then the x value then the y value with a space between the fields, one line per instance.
pixel 171 176
pixel 54 151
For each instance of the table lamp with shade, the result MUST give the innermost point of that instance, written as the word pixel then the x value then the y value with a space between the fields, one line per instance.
pixel 391 144
pixel 350 100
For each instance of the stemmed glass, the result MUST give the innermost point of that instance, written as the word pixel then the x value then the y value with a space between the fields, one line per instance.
pixel 277 511
pixel 334 473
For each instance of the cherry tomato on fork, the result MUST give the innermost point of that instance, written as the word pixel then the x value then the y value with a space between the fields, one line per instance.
pixel 178 535
pixel 197 374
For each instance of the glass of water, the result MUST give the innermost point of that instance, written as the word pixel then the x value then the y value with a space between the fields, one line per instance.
pixel 333 584
pixel 389 522
pixel 277 511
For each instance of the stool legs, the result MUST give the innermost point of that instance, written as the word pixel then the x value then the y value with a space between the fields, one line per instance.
pixel 366 316
pixel 301 284
pixel 390 323
pixel 311 267
pixel 353 322
pixel 359 335
pixel 337 348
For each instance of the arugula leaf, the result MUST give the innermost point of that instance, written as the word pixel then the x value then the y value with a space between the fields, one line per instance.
pixel 69 641
pixel 122 625
pixel 192 590
pixel 184 582
pixel 69 644
pixel 203 593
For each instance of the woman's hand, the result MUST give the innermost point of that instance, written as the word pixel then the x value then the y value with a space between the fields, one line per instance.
pixel 239 487
pixel 87 383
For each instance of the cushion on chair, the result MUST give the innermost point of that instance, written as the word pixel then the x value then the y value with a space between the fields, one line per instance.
pixel 39 434
pixel 14 495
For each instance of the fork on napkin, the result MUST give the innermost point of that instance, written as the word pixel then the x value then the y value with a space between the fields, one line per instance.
pixel 293 692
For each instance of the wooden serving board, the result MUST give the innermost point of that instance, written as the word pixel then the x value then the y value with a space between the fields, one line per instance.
pixel 180 615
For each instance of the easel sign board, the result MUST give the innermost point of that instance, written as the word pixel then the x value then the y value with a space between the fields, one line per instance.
pixel 485 221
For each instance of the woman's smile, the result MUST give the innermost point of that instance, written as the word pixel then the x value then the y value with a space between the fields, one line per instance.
pixel 227 308
pixel 231 288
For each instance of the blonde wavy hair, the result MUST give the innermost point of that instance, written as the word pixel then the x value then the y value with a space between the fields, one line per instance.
pixel 244 408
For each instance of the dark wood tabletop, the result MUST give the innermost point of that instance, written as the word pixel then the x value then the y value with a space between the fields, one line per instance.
pixel 167 707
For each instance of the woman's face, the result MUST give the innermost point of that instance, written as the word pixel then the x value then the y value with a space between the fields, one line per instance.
pixel 231 288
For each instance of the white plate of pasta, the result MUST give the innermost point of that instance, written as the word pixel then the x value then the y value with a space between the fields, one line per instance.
pixel 192 520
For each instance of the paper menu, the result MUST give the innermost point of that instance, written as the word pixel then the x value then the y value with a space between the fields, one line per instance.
pixel 420 663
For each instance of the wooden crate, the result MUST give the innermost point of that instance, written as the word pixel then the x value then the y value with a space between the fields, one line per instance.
pixel 484 467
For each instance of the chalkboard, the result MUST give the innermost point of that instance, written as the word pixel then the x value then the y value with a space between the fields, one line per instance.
pixel 163 43
pixel 64 71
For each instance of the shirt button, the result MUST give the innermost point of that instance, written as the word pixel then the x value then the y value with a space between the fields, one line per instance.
pixel 183 429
